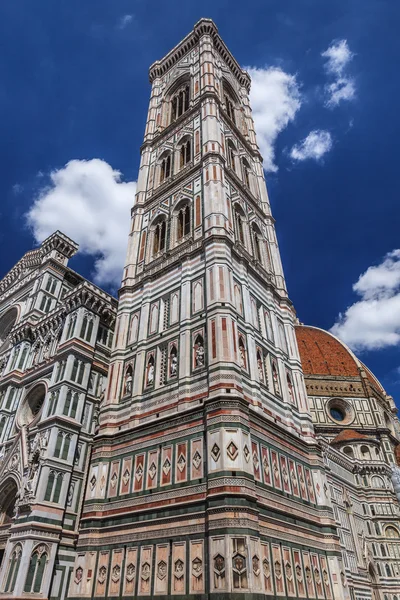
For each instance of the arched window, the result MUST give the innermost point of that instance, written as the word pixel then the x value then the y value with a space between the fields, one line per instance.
pixel 246 170
pixel 392 532
pixel 365 453
pixel 53 489
pixel 165 167
pixel 183 222
pixel 229 107
pixel 180 102
pixel 383 550
pixel 185 155
pixel 34 577
pixel 377 481
pixel 231 156
pixel 256 235
pixel 388 570
pixel 348 450
pixel 242 353
pixel 13 569
pixel 239 219
pixel 67 405
pixel 3 422
pixel 159 238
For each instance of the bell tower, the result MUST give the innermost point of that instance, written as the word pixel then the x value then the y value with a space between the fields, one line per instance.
pixel 205 474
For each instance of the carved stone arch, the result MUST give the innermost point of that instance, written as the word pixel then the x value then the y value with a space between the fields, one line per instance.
pixel 9 488
pixel 7 321
pixel 229 87
pixel 177 82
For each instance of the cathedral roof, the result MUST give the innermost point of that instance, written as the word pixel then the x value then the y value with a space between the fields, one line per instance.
pixel 322 354
pixel 347 435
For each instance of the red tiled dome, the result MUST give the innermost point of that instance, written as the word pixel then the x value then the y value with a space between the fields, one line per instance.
pixel 348 435
pixel 322 354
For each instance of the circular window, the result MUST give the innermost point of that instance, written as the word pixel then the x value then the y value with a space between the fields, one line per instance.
pixel 32 405
pixel 340 411
pixel 337 414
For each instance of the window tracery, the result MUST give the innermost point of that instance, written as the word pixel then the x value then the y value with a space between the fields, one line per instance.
pixel 165 167
pixel 185 154
pixel 180 102
pixel 37 564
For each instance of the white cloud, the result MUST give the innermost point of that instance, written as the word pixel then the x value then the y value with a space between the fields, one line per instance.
pixel 373 322
pixel 342 89
pixel 314 146
pixel 338 56
pixel 275 98
pixel 124 21
pixel 87 201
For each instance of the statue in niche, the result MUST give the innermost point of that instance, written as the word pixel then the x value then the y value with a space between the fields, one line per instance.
pixel 46 349
pixel 173 367
pixel 242 357
pixel 128 382
pixel 290 388
pixel 150 371
pixel 275 377
pixel 260 367
pixel 199 352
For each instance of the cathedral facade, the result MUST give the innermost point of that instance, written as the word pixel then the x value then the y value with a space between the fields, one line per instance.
pixel 234 452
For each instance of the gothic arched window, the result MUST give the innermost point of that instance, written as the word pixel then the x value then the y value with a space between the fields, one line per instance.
pixel 34 577
pixel 230 107
pixel 183 222
pixel 392 532
pixel 13 569
pixel 165 167
pixel 159 239
pixel 180 102
pixel 185 155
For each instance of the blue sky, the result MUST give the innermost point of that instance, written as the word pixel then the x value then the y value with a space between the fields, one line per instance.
pixel 74 87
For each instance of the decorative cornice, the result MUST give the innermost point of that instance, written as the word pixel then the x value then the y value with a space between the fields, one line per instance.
pixel 202 27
